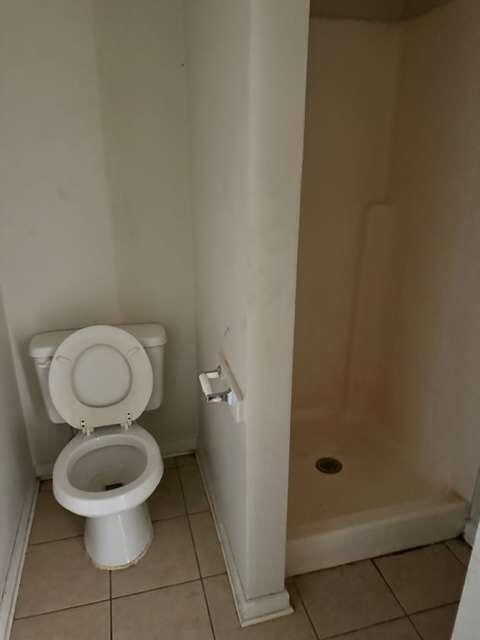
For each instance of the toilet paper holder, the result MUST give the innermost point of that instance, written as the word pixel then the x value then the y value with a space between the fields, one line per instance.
pixel 231 395
pixel 208 392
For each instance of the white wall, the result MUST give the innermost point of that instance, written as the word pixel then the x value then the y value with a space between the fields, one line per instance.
pixel 57 253
pixel 217 64
pixel 95 224
pixel 435 404
pixel 247 61
pixel 16 471
pixel 141 63
pixel 339 332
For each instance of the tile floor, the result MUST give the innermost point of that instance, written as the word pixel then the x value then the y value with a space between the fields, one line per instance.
pixel 180 589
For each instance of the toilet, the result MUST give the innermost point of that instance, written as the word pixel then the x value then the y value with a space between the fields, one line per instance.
pixel 99 380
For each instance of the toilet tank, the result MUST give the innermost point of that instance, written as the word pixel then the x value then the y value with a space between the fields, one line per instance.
pixel 152 337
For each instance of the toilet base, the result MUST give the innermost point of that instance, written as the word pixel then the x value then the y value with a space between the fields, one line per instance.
pixel 119 540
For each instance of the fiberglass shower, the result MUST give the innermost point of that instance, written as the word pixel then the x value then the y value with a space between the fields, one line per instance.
pixel 375 464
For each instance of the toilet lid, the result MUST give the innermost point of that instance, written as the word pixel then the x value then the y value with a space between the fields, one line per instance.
pixel 100 375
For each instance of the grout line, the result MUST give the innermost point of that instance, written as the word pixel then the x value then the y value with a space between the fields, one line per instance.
pixel 110 605
pixel 197 558
pixel 405 615
pixel 395 596
pixel 197 470
pixel 372 626
pixel 440 606
pixel 343 633
pixel 180 515
pixel 465 566
pixel 74 606
pixel 214 575
pixel 307 613
pixel 389 587
pixel 164 586
pixel 36 544
pixel 415 628
pixel 194 513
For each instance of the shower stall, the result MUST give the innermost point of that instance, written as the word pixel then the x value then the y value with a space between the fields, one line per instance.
pixel 385 410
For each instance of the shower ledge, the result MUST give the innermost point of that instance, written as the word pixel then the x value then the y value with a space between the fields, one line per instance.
pixel 375 532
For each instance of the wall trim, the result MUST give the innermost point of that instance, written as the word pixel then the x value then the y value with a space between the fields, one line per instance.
pixel 17 559
pixel 250 611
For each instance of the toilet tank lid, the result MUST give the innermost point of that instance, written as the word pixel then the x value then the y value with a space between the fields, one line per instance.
pixel 44 345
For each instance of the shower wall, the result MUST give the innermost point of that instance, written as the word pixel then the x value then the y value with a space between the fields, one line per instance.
pixel 340 336
pixel 387 297
pixel 434 401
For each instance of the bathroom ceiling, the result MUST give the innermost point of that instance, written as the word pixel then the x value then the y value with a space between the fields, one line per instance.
pixel 372 9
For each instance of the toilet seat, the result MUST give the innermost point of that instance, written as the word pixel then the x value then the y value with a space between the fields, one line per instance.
pixel 99 376
pixel 94 504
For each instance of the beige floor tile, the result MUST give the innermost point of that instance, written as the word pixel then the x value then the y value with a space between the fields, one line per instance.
pixel 52 521
pixel 91 622
pixel 195 497
pixel 209 553
pixel 460 549
pixel 187 460
pixel 227 627
pixel 396 630
pixel 170 560
pixel 170 462
pixel 167 500
pixel 174 613
pixel 424 578
pixel 436 624
pixel 347 598
pixel 57 575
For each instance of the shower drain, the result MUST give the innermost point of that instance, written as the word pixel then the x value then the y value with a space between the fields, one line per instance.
pixel 329 465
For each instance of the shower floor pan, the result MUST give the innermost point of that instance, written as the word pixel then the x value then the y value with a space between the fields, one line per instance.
pixel 376 504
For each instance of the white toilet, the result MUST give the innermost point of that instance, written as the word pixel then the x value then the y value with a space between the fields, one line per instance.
pixel 99 380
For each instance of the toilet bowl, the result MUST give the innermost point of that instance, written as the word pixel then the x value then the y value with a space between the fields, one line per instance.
pixel 100 380
pixel 107 478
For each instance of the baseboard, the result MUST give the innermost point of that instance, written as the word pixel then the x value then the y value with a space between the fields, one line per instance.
pixel 7 608
pixel 250 611
pixel 178 453
pixel 470 532
pixel 44 471
pixel 177 447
